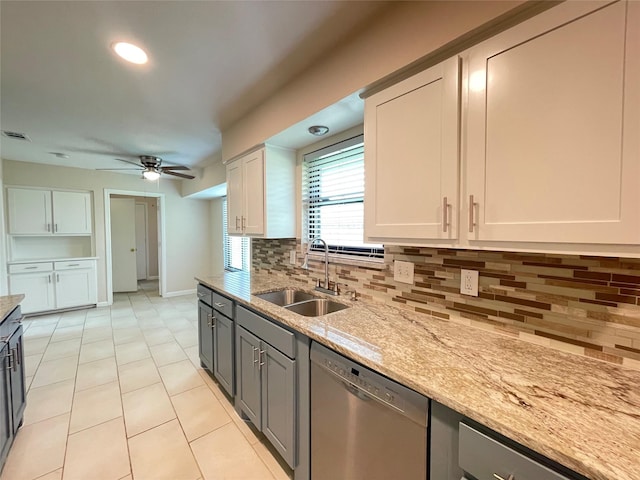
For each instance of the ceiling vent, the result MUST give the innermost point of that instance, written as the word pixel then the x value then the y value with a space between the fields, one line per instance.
pixel 16 135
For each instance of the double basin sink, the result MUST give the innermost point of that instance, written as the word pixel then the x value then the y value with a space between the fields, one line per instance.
pixel 302 303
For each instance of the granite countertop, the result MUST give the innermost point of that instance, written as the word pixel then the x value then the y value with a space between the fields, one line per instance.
pixel 8 303
pixel 580 412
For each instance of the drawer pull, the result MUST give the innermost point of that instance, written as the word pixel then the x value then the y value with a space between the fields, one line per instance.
pixel 498 477
pixel 255 349
pixel 472 207
pixel 30 268
pixel 219 305
pixel 200 295
pixel 260 357
pixel 73 265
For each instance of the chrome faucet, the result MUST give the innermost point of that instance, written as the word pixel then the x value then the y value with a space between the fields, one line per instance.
pixel 326 288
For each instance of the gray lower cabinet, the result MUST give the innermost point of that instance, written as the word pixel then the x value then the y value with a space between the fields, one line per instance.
pixel 216 336
pixel 267 382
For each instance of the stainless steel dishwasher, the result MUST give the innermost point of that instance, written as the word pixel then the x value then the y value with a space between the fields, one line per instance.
pixel 363 425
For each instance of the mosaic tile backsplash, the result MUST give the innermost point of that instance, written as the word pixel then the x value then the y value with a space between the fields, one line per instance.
pixel 581 304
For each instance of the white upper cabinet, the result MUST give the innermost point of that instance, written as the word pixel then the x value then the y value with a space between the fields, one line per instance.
pixel 43 212
pixel 261 194
pixel 553 128
pixel 411 158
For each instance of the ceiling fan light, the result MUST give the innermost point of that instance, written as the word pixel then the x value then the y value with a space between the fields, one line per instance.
pixel 131 53
pixel 151 175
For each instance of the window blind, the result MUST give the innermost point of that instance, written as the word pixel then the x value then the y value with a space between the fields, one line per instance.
pixel 333 195
pixel 237 253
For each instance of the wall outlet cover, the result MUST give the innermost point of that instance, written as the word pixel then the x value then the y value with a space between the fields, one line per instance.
pixel 469 282
pixel 292 257
pixel 403 272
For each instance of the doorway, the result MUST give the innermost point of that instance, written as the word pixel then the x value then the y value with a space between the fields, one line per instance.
pixel 134 238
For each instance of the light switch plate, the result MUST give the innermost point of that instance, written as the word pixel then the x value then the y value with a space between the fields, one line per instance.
pixel 403 272
pixel 469 282
pixel 292 257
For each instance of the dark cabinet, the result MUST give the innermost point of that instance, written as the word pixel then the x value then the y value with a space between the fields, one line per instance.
pixel 216 336
pixel 12 384
pixel 267 380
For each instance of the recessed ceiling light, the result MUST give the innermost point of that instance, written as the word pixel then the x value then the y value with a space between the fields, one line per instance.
pixel 318 130
pixel 131 53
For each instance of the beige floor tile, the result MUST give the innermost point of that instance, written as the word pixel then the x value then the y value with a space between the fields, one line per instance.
pixel 99 452
pixel 27 383
pixel 225 453
pixel 31 363
pixel 48 401
pixel 95 334
pixel 127 335
pixel 131 352
pixel 178 324
pixel 193 353
pixel 38 449
pixel 149 324
pixel 187 338
pixel 55 475
pixel 146 408
pixel 94 406
pixel 162 453
pixel 40 330
pixel 139 374
pixel 180 376
pixel 199 412
pixel 64 348
pixel 124 321
pixel 55 371
pixel 33 346
pixel 96 373
pixel 276 465
pixel 167 353
pixel 98 312
pixel 67 333
pixel 158 336
pixel 71 321
pixel 91 352
pixel 128 477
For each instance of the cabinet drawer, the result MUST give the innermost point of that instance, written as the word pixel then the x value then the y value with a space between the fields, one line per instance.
pixel 204 294
pixel 268 331
pixel 483 457
pixel 222 304
pixel 71 264
pixel 31 267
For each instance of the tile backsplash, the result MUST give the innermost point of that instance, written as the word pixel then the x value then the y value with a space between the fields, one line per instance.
pixel 581 304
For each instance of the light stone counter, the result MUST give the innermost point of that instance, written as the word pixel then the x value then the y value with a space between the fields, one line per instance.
pixel 582 413
pixel 8 303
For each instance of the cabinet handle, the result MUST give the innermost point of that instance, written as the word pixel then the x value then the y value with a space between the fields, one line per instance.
pixel 15 359
pixel 219 305
pixel 49 278
pixel 57 277
pixel 55 227
pixel 255 349
pixel 243 223
pixel 73 265
pixel 213 321
pixel 498 477
pixel 445 214
pixel 261 362
pixel 200 295
pixel 237 220
pixel 10 357
pixel 19 353
pixel 209 320
pixel 472 207
pixel 30 268
pixel 48 227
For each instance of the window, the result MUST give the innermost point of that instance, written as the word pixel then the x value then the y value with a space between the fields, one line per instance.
pixel 237 254
pixel 333 193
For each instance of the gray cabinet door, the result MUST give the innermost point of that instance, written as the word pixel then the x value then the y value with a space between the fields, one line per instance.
pixel 18 393
pixel 278 401
pixel 223 352
pixel 248 347
pixel 205 335
pixel 5 404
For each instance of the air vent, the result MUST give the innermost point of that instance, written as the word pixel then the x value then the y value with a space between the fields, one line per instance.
pixel 16 135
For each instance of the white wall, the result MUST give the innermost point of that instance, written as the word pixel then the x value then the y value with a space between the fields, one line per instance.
pixel 217 235
pixel 188 222
pixel 3 243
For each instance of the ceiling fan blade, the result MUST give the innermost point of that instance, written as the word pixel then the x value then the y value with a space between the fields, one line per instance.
pixel 176 174
pixel 138 169
pixel 137 164
pixel 174 167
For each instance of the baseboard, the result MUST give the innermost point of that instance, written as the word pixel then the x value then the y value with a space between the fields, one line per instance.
pixel 152 277
pixel 180 293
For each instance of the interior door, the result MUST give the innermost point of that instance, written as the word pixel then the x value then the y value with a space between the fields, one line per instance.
pixel 123 241
pixel 141 241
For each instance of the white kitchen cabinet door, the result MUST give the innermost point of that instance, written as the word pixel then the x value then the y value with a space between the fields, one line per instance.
pixel 38 290
pixel 75 287
pixel 254 201
pixel 411 158
pixel 235 197
pixel 553 128
pixel 29 211
pixel 72 213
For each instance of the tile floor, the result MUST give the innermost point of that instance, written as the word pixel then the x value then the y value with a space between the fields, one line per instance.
pixel 118 393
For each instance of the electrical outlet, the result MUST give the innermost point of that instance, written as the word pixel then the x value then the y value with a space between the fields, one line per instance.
pixel 292 257
pixel 403 272
pixel 469 282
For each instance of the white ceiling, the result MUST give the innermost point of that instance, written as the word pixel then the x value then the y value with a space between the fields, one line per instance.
pixel 210 63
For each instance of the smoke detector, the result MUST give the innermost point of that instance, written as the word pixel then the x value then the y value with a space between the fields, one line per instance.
pixel 318 130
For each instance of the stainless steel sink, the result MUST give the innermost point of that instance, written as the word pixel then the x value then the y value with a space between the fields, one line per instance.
pixel 286 296
pixel 316 307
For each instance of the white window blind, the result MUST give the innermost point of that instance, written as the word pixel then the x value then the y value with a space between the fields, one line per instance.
pixel 333 193
pixel 237 254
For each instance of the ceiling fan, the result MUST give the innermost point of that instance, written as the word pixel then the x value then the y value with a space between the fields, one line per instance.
pixel 151 167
